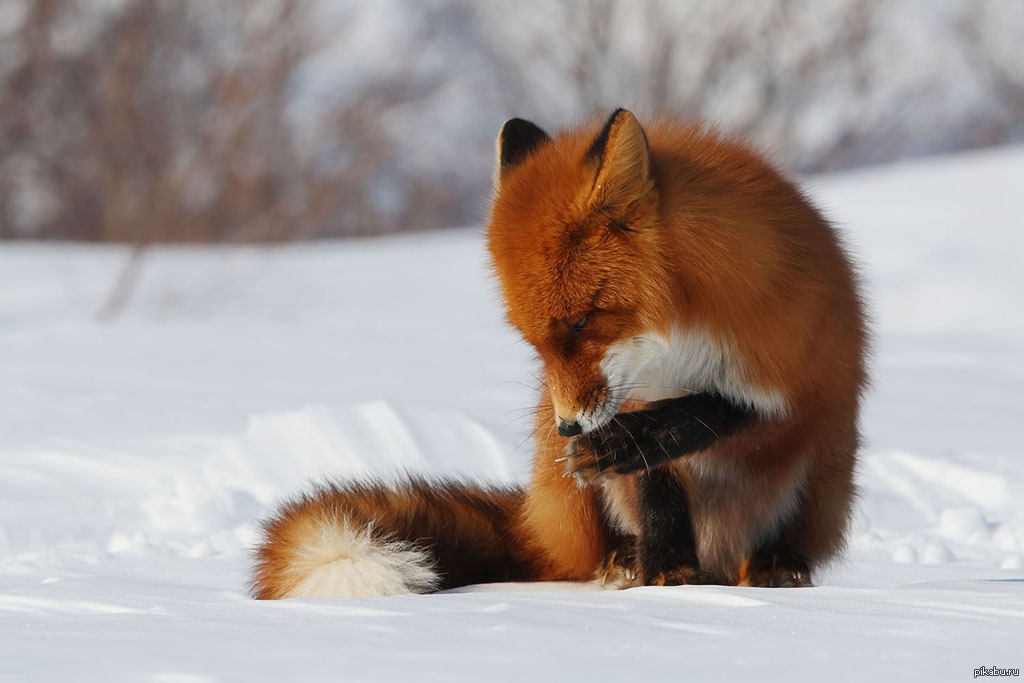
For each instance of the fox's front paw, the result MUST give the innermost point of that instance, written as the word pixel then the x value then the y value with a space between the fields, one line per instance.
pixel 615 449
pixel 585 464
pixel 686 576
pixel 602 455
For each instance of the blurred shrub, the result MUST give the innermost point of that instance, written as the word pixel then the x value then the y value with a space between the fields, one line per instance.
pixel 164 120
pixel 211 120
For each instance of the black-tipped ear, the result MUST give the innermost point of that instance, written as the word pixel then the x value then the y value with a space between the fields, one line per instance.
pixel 622 159
pixel 596 152
pixel 517 140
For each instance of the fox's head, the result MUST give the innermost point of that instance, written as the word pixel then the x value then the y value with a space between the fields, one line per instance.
pixel 576 242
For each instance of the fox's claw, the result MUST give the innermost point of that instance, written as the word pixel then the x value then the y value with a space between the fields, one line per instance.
pixel 618 571
pixel 613 450
pixel 588 462
pixel 775 568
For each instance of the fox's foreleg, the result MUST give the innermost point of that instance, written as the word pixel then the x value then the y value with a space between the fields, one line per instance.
pixel 666 430
pixel 664 552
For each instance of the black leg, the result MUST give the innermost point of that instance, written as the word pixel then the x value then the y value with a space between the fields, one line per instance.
pixel 667 430
pixel 666 548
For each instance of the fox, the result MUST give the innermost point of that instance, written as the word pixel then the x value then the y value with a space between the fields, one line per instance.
pixel 703 341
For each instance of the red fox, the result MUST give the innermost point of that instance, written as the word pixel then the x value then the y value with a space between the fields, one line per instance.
pixel 703 344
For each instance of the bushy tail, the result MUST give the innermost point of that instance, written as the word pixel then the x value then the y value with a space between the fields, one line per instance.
pixel 364 540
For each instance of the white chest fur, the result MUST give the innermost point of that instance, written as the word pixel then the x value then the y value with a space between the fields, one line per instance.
pixel 651 367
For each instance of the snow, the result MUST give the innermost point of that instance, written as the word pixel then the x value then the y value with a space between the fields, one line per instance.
pixel 136 457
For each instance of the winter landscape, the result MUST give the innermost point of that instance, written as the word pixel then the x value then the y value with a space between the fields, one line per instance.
pixel 241 251
pixel 137 456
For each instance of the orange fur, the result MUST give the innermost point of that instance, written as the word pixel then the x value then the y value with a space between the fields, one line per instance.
pixel 560 522
pixel 464 534
pixel 606 241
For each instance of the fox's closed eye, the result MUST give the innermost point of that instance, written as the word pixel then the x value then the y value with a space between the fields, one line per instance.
pixel 580 323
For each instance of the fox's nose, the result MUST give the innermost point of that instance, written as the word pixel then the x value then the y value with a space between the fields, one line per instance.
pixel 567 428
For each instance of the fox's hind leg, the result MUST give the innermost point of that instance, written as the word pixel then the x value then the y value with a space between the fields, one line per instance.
pixel 564 523
pixel 775 567
pixel 816 532
pixel 666 549
pixel 561 522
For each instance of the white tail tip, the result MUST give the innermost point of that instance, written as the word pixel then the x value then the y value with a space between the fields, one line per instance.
pixel 341 562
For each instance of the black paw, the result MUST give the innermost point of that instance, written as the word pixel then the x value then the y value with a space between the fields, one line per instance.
pixel 611 451
pixel 685 576
pixel 775 569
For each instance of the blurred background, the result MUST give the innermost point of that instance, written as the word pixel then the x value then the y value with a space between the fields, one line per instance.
pixel 150 121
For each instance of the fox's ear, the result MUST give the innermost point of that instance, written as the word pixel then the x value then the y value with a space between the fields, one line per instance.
pixel 517 140
pixel 621 156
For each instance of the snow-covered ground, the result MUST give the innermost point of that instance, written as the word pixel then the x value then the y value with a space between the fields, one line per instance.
pixel 136 457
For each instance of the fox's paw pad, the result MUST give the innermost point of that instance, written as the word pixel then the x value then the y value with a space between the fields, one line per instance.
pixel 685 576
pixel 618 571
pixel 775 570
pixel 585 465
